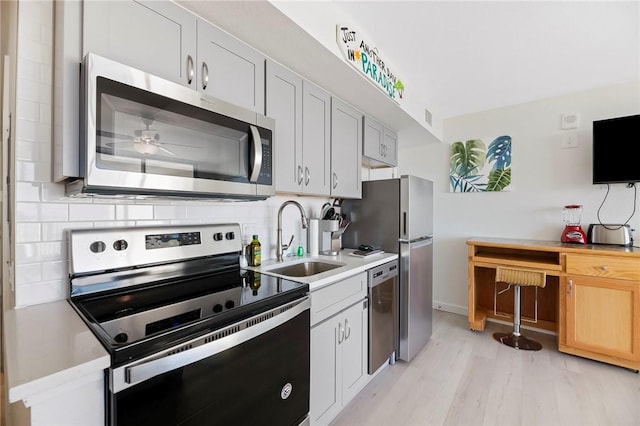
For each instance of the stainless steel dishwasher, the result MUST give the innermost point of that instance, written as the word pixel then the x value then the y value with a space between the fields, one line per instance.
pixel 383 314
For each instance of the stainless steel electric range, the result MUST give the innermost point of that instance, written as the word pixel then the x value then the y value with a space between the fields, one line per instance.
pixel 193 338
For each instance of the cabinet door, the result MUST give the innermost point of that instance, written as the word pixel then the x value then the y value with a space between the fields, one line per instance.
pixel 354 351
pixel 346 150
pixel 156 37
pixel 390 147
pixel 325 394
pixel 284 104
pixel 373 139
pixel 603 316
pixel 316 139
pixel 228 69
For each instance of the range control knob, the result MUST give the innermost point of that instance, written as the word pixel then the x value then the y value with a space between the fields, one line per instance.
pixel 217 308
pixel 97 247
pixel 230 235
pixel 120 245
pixel 229 304
pixel 217 236
pixel 121 337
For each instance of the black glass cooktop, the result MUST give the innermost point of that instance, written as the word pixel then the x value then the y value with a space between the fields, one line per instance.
pixel 136 320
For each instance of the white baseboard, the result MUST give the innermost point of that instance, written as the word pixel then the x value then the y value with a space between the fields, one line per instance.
pixel 455 309
pixel 462 310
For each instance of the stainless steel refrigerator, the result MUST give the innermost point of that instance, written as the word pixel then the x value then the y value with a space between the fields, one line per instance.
pixel 396 215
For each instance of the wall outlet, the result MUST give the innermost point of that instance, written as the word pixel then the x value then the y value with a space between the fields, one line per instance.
pixel 569 140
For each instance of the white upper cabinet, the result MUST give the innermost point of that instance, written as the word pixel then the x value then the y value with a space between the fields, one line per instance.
pixel 284 104
pixel 303 134
pixel 164 39
pixel 316 139
pixel 380 145
pixel 156 37
pixel 346 150
pixel 229 69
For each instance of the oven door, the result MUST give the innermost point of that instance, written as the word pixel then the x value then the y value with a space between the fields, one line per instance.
pixel 253 372
pixel 146 135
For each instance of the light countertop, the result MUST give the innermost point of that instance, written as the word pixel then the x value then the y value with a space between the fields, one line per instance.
pixel 350 265
pixel 47 346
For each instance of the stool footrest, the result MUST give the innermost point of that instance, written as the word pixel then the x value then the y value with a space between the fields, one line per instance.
pixel 518 342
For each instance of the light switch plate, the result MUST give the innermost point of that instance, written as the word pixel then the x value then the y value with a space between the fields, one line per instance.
pixel 569 140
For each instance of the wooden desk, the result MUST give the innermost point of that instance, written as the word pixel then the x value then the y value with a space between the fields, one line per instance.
pixel 591 300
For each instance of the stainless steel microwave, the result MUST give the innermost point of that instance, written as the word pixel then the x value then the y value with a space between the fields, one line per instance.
pixel 143 135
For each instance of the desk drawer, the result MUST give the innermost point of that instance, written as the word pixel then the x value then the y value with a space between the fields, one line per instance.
pixel 604 266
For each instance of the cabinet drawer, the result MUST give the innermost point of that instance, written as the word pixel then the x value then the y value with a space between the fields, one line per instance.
pixel 333 298
pixel 604 266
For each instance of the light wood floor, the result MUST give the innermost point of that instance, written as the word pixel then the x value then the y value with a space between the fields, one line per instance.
pixel 466 378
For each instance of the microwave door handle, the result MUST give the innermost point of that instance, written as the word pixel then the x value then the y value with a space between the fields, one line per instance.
pixel 256 154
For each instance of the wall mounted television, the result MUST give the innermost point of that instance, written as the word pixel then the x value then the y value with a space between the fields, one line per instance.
pixel 616 150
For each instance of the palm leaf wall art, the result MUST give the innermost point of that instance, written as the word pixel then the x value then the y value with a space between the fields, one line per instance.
pixel 474 167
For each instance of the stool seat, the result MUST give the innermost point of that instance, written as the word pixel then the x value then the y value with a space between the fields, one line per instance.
pixel 518 277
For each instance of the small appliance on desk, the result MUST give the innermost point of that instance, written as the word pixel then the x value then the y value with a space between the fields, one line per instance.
pixel 573 232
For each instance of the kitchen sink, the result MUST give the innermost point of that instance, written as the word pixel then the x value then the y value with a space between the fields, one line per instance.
pixel 304 269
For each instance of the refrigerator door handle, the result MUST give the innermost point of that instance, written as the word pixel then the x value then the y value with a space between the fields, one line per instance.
pixel 404 223
pixel 426 239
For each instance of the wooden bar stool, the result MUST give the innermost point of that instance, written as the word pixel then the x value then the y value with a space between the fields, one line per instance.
pixel 517 278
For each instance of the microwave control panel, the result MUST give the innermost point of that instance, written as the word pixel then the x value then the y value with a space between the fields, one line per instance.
pixel 266 171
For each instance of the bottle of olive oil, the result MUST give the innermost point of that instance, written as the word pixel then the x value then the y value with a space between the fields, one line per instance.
pixel 255 257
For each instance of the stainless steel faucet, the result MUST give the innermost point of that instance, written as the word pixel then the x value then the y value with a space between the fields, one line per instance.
pixel 281 248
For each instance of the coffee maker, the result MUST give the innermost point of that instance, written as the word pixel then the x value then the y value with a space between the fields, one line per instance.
pixel 573 232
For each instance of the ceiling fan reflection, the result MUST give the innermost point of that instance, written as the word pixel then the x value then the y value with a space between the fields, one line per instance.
pixel 144 141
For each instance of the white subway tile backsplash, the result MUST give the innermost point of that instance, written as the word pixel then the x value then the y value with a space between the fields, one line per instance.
pixel 26 130
pixel 115 224
pixel 28 273
pixel 28 70
pixel 57 269
pixel 27 232
pixel 26 191
pixel 91 212
pixel 26 151
pixel 28 111
pixel 55 192
pixel 133 212
pixel 57 231
pixel 25 171
pixel 169 212
pixel 42 292
pixel 54 212
pixel 41 252
pixel 27 212
pixel 200 212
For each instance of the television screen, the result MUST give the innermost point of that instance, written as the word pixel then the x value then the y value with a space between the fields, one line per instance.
pixel 616 150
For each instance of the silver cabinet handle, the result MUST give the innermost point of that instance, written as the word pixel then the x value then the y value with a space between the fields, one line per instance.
pixel 570 287
pixel 205 75
pixel 340 333
pixel 348 327
pixel 307 176
pixel 299 175
pixel 190 69
pixel 335 181
pixel 256 154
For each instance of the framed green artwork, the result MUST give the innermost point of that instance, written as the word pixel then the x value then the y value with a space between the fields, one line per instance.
pixel 476 166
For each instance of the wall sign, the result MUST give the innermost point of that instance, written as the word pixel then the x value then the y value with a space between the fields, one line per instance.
pixel 365 58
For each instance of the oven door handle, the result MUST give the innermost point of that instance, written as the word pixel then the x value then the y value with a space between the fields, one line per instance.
pixel 188 353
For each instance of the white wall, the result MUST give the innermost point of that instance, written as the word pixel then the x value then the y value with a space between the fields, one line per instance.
pixel 545 177
pixel 43 214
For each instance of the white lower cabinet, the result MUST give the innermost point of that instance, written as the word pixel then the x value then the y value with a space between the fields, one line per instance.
pixel 339 350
